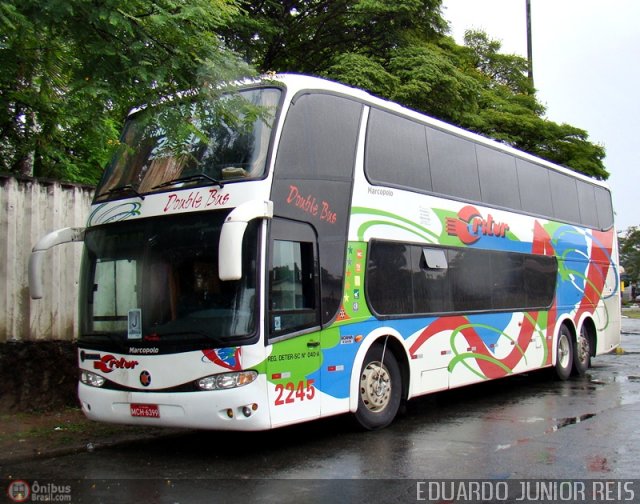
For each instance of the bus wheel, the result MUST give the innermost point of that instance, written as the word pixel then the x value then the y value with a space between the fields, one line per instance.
pixel 564 354
pixel 582 357
pixel 379 389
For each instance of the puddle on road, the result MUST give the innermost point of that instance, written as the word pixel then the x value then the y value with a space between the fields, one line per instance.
pixel 564 422
pixel 615 378
pixel 558 423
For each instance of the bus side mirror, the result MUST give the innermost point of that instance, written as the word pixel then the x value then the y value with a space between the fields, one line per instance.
pixel 230 254
pixel 58 237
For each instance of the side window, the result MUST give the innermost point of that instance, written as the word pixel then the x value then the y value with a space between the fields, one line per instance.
pixel 535 191
pixel 454 166
pixel 388 282
pixel 564 195
pixel 396 152
pixel 293 279
pixel 587 204
pixel 407 279
pixel 319 138
pixel 498 178
pixel 605 208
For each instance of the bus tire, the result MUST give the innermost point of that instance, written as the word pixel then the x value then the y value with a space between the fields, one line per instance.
pixel 582 354
pixel 379 389
pixel 564 353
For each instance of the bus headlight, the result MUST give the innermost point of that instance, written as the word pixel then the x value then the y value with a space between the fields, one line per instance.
pixel 91 379
pixel 227 380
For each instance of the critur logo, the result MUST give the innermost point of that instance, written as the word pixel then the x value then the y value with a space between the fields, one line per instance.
pixel 470 226
pixel 109 362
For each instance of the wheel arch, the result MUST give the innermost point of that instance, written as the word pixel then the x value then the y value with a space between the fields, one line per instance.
pixel 395 344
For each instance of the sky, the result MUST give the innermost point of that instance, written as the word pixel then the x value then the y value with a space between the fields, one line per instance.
pixel 586 70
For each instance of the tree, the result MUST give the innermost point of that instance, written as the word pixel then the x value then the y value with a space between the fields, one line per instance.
pixel 509 111
pixel 71 70
pixel 309 36
pixel 629 247
pixel 399 50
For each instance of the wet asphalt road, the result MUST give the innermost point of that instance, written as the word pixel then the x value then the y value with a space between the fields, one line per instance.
pixel 521 427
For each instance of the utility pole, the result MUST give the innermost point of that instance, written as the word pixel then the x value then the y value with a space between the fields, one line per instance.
pixel 529 43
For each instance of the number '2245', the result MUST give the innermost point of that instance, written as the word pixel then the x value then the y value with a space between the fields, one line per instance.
pixel 290 392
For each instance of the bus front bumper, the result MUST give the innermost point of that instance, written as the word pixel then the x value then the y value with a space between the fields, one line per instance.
pixel 241 409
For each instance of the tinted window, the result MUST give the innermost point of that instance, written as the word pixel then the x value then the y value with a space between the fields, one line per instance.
pixel 454 169
pixel 539 279
pixel 535 193
pixel 405 279
pixel 509 289
pixel 498 178
pixel 605 210
pixel 389 276
pixel 396 155
pixel 396 151
pixel 587 203
pixel 470 279
pixel 564 195
pixel 320 138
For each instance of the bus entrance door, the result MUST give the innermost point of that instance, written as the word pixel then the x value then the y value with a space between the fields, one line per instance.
pixel 293 392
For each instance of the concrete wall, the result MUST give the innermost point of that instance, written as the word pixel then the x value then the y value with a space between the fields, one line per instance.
pixel 29 209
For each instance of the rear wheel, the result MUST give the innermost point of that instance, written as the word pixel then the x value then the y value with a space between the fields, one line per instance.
pixel 582 357
pixel 564 353
pixel 379 389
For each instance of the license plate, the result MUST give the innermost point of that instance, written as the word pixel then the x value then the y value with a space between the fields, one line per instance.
pixel 145 410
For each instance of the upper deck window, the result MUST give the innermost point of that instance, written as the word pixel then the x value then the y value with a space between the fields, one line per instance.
pixel 193 142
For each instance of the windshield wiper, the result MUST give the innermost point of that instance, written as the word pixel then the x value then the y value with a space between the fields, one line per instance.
pixel 190 178
pixel 126 188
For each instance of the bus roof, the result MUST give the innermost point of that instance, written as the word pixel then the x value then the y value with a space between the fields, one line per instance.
pixel 298 82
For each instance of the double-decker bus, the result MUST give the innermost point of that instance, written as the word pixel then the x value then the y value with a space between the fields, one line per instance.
pixel 322 251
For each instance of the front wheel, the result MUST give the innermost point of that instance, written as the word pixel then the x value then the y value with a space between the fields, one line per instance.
pixel 379 389
pixel 564 354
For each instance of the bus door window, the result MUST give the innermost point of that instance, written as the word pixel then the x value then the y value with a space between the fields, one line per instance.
pixel 293 281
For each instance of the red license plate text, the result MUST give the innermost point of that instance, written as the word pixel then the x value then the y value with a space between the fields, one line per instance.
pixel 145 410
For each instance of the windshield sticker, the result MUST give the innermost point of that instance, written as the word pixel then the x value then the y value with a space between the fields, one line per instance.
pixel 134 324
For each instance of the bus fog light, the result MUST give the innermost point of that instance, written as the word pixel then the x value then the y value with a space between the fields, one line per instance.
pixel 246 411
pixel 227 380
pixel 91 379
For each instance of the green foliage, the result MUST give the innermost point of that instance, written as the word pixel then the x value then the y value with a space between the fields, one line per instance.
pixel 629 246
pixel 73 68
pixel 429 81
pixel 309 36
pixel 399 50
pixel 363 72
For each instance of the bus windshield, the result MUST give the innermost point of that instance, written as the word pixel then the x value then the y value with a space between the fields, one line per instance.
pixel 156 281
pixel 192 141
